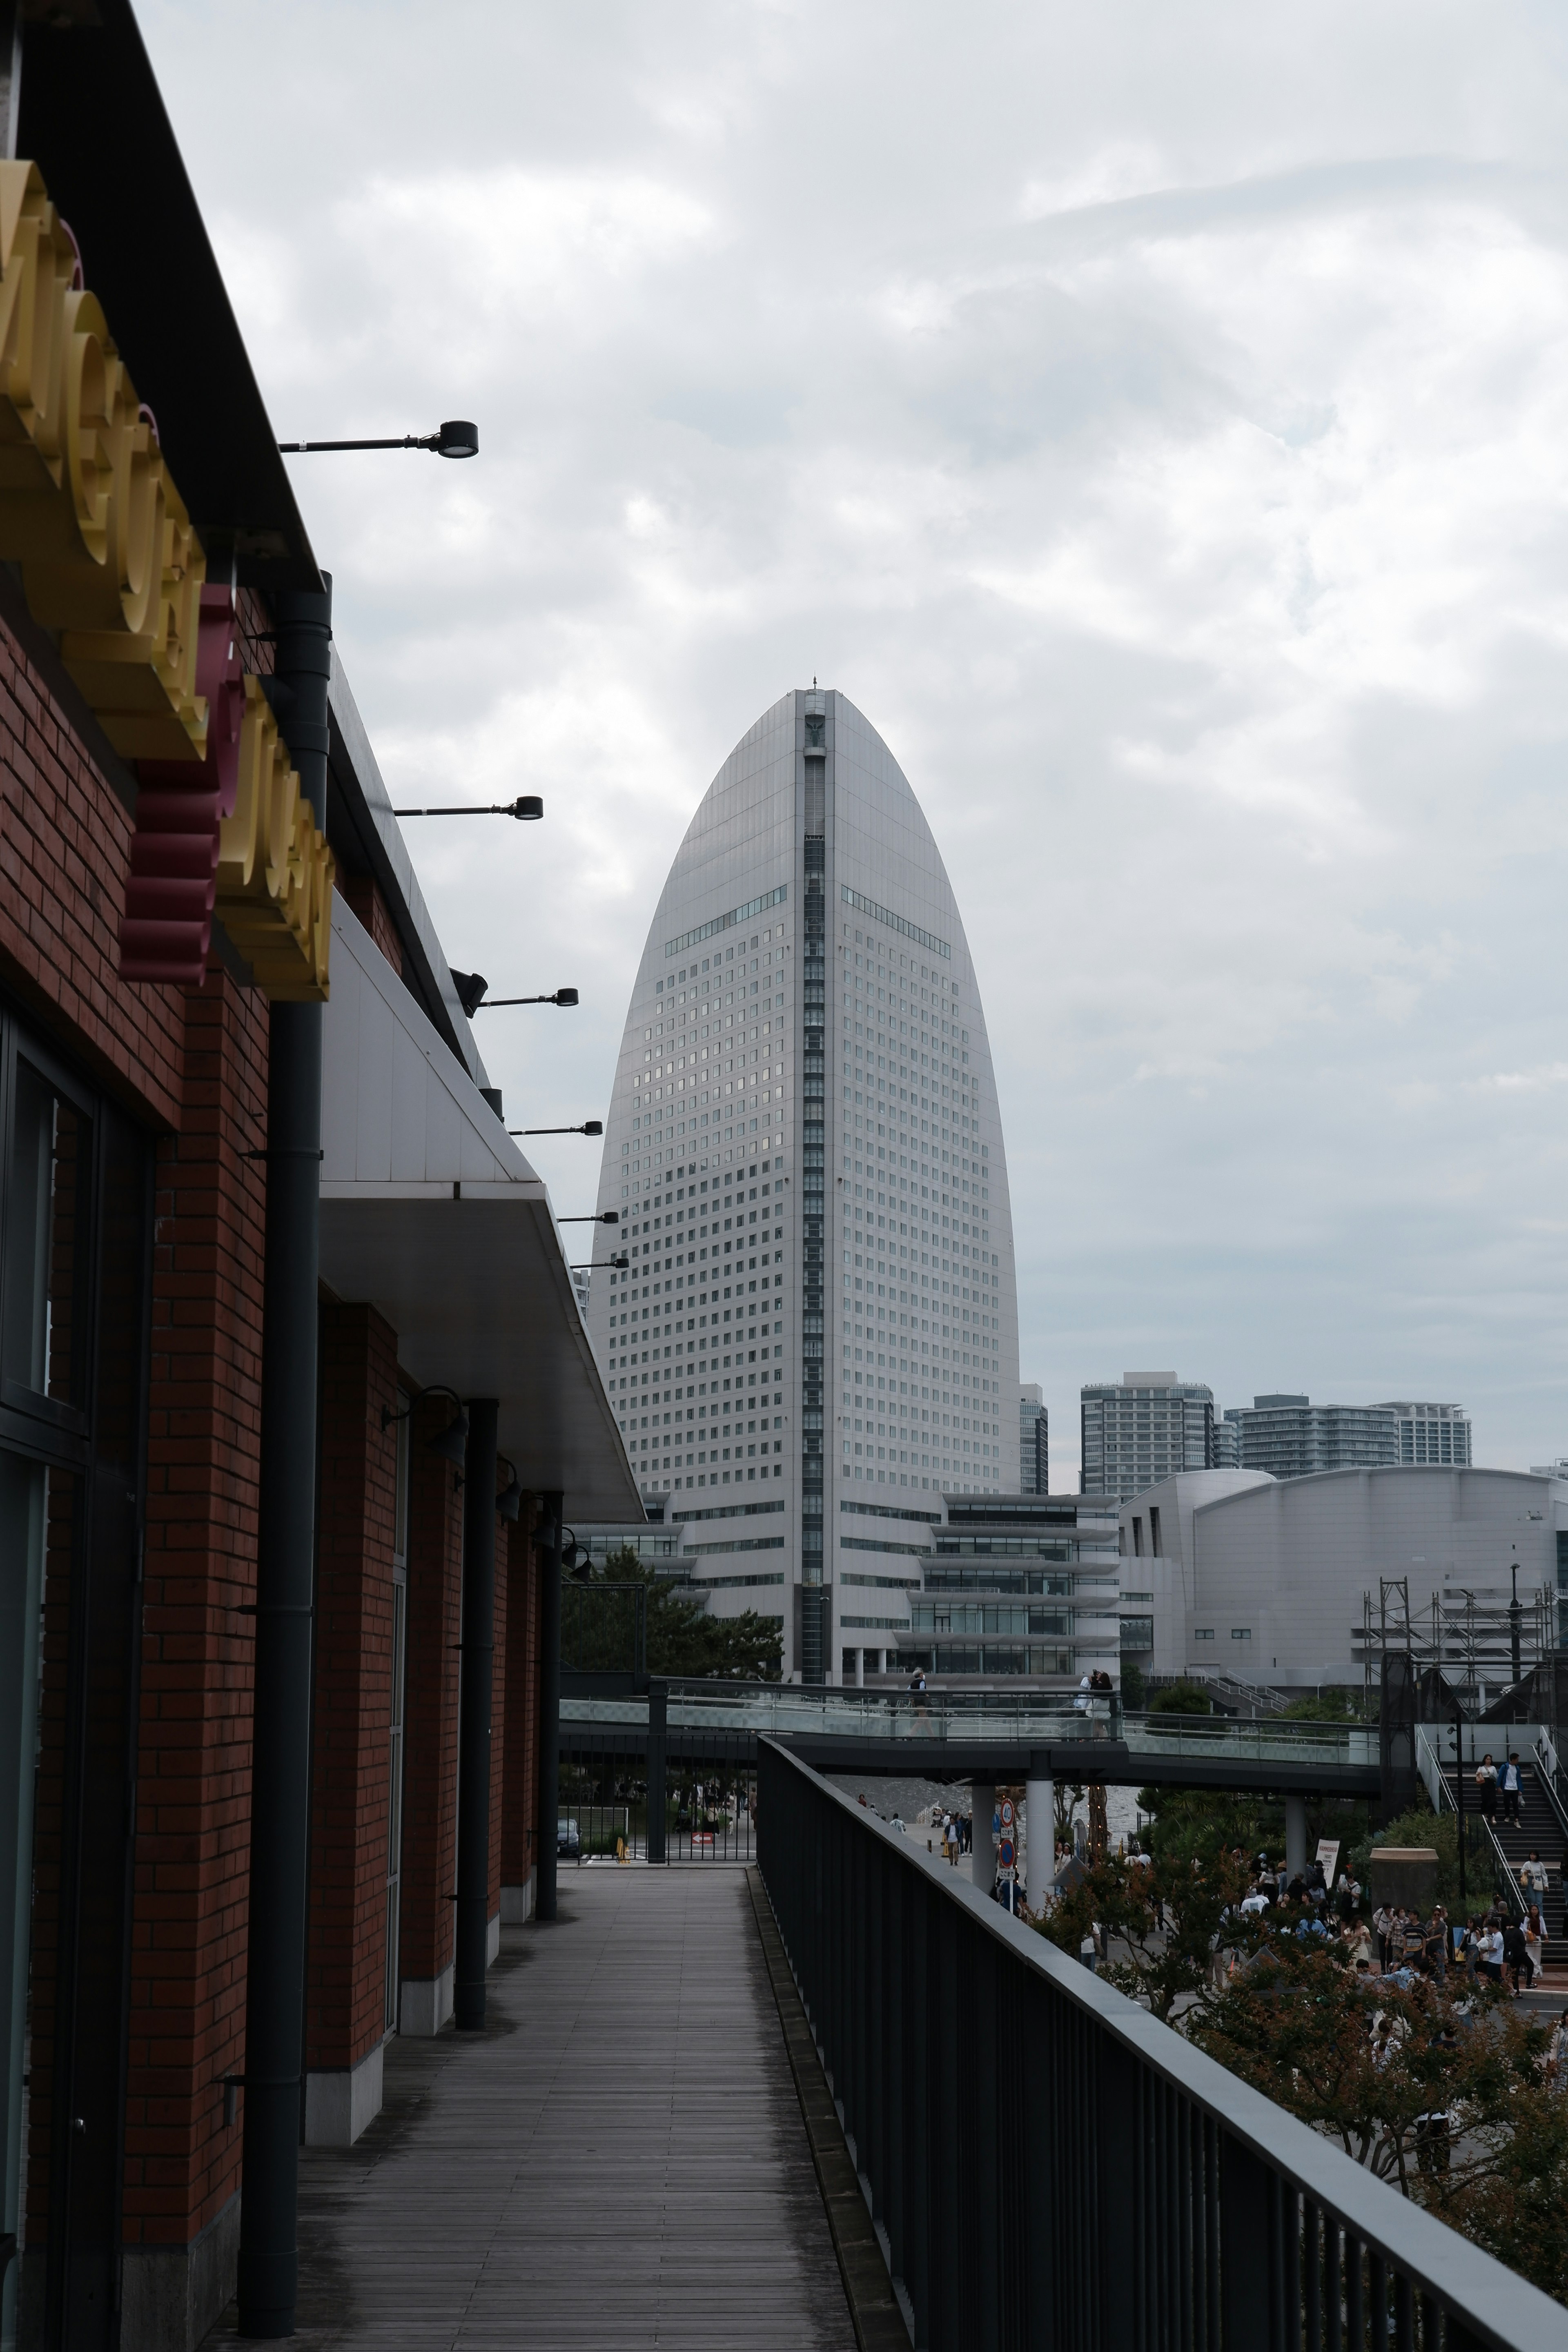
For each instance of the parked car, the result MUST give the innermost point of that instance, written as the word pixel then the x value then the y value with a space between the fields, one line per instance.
pixel 568 1845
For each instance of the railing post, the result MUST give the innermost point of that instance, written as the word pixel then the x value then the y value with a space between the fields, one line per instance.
pixel 1244 2249
pixel 658 1718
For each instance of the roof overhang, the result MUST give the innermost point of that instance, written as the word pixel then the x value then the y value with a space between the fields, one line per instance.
pixel 474 1281
pixel 431 1214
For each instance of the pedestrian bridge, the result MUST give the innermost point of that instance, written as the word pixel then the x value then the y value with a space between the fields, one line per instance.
pixel 974 1735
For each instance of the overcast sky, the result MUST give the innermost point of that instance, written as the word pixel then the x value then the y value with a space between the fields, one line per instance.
pixel 1155 418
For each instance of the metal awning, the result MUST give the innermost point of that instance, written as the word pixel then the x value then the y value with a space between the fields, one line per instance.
pixel 431 1216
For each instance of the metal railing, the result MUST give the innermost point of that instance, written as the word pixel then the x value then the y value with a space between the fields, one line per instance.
pixel 782 1709
pixel 1484 1853
pixel 1051 2170
pixel 647 1806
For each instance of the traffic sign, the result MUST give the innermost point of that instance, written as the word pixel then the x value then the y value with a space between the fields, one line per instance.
pixel 1005 1854
pixel 1006 1813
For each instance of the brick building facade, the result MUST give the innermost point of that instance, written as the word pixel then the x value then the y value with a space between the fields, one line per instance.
pixel 135 1197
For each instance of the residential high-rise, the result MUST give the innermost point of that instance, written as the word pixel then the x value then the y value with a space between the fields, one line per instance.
pixel 819 1324
pixel 1292 1438
pixel 1146 1427
pixel 1227 1444
pixel 1432 1433
pixel 1034 1441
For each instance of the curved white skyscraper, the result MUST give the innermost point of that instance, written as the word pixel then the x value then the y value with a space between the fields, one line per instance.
pixel 817 1334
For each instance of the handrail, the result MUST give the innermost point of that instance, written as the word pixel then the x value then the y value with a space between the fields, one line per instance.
pixel 774 1707
pixel 1434 1769
pixel 1049 2168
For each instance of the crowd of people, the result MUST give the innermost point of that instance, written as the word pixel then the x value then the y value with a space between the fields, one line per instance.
pixel 1400 1942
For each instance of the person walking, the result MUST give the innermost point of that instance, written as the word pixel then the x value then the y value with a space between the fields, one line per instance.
pixel 1514 1957
pixel 1534 1935
pixel 1534 1878
pixel 1489 1952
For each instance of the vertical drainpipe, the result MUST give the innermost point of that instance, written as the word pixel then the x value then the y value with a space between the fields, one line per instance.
pixel 280 1765
pixel 475 1694
pixel 548 1712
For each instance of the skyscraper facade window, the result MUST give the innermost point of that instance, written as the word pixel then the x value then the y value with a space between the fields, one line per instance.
pixel 1291 1437
pixel 1034 1441
pixel 819 1319
pixel 1143 1428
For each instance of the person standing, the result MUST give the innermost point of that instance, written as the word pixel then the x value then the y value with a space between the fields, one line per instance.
pixel 1509 1785
pixel 1557 2055
pixel 1486 1786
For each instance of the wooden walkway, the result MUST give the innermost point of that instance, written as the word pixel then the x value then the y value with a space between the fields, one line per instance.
pixel 618 2161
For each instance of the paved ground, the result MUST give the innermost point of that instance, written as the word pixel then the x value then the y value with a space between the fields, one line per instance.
pixel 618 2161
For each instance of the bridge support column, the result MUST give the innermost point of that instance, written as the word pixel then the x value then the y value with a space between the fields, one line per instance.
pixel 657 1784
pixel 859 1669
pixel 1040 1846
pixel 1294 1837
pixel 983 1806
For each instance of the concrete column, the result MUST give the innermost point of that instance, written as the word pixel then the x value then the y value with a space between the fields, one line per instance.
pixel 859 1669
pixel 982 1804
pixel 1295 1836
pixel 1040 1846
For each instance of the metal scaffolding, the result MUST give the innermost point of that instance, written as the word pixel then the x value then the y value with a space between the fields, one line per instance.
pixel 1471 1639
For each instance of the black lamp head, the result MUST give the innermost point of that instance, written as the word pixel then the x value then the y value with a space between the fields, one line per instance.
pixel 472 987
pixel 528 805
pixel 592 1127
pixel 620 1259
pixel 509 1502
pixel 611 1217
pixel 566 996
pixel 452 1443
pixel 458 439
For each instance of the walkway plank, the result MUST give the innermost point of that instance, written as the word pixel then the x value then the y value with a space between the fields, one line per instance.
pixel 618 2161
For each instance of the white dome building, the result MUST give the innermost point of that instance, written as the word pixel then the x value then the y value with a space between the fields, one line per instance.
pixel 817 1334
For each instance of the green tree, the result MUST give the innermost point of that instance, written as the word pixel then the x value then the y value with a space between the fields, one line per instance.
pixel 1158 1918
pixel 683 1639
pixel 1322 1706
pixel 1181 1698
pixel 1132 1691
pixel 1369 2064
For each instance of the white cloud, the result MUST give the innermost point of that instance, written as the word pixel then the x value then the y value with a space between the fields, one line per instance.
pixel 1154 420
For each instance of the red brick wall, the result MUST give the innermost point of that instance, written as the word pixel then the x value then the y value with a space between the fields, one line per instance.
pixel 371 908
pixel 518 1750
pixel 430 1700
pixel 192 1859
pixel 345 1972
pixel 65 846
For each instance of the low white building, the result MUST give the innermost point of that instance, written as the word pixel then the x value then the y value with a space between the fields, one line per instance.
pixel 1230 1572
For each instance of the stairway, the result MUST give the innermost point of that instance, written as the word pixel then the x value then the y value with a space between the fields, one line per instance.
pixel 1538 1828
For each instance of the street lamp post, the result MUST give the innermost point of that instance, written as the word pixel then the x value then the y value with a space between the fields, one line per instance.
pixel 589 1126
pixel 457 437
pixel 527 808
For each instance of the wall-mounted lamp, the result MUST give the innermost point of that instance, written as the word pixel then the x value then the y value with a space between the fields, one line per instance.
pixel 509 1502
pixel 451 1443
pixel 604 1217
pixel 457 437
pixel 589 1126
pixel 589 1265
pixel 527 808
pixel 562 996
